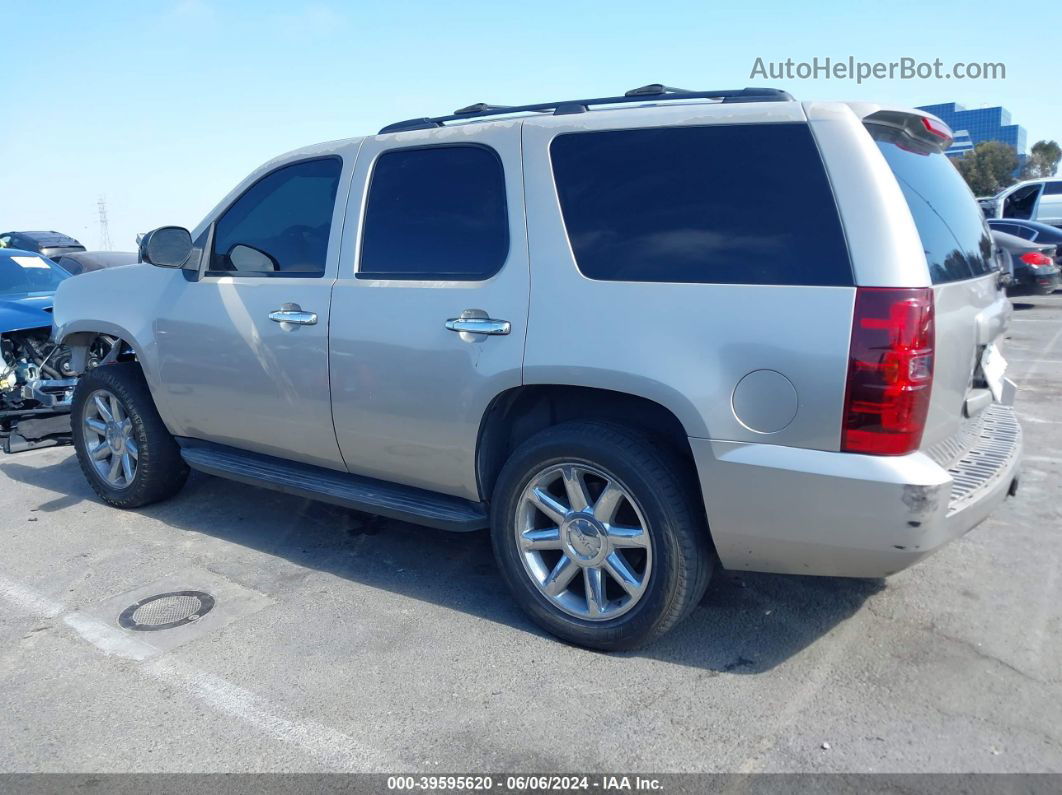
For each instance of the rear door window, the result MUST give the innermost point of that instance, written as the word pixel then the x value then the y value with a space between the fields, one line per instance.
pixel 950 223
pixel 436 213
pixel 725 204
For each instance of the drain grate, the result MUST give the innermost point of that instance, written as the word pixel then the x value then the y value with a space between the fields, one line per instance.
pixel 166 611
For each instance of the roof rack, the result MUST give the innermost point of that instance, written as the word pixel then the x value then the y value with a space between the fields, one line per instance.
pixel 653 91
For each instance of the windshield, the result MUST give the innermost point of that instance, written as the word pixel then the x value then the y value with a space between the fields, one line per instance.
pixel 28 273
pixel 950 223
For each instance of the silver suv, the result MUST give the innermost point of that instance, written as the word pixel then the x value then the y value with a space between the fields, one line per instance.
pixel 634 336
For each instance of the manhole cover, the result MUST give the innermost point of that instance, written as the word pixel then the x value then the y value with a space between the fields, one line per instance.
pixel 166 611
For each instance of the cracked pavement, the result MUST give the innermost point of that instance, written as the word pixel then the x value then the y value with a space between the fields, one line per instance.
pixel 368 645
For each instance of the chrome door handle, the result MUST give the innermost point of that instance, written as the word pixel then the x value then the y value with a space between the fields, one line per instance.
pixel 478 325
pixel 294 316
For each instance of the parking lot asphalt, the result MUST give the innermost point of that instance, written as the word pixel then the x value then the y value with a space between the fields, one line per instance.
pixel 344 643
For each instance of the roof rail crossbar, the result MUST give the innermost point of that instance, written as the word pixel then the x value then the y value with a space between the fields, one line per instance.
pixel 648 92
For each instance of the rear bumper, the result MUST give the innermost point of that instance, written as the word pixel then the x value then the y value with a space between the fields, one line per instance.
pixel 796 511
pixel 1038 281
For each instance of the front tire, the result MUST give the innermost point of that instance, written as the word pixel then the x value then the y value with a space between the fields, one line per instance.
pixel 598 531
pixel 124 449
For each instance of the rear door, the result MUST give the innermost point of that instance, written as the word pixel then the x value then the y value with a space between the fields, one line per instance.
pixel 430 308
pixel 972 311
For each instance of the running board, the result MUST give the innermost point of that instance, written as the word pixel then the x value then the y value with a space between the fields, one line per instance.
pixel 394 501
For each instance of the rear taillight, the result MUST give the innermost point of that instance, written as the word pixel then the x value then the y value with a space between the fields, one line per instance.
pixel 890 370
pixel 1034 259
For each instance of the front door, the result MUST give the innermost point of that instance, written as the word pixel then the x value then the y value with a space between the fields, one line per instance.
pixel 430 308
pixel 243 351
pixel 1022 202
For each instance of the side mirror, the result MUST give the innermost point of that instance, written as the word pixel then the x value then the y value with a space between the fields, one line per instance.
pixel 248 259
pixel 166 247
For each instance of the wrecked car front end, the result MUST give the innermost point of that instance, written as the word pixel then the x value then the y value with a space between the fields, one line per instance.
pixel 36 378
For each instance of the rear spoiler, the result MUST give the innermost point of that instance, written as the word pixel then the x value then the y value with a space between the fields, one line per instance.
pixel 927 129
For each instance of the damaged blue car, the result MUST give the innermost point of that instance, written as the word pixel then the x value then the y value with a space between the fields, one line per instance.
pixel 36 381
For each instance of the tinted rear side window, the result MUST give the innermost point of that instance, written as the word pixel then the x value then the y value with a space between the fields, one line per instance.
pixel 735 204
pixel 436 213
pixel 949 220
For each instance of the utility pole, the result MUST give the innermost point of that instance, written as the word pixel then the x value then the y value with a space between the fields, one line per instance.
pixel 105 232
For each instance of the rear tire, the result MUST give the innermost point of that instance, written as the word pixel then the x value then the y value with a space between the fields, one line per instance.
pixel 598 530
pixel 125 451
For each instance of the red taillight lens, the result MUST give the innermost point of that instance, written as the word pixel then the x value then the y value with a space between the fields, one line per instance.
pixel 1034 259
pixel 890 370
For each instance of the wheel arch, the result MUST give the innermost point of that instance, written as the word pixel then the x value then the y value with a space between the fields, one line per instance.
pixel 79 336
pixel 518 413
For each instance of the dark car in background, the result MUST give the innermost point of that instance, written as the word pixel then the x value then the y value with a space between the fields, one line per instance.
pixel 50 244
pixel 76 262
pixel 1033 231
pixel 1032 266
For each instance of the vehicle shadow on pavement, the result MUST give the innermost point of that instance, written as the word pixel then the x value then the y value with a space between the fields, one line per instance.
pixel 746 623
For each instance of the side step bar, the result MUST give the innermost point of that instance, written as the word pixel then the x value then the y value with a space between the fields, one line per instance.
pixel 406 503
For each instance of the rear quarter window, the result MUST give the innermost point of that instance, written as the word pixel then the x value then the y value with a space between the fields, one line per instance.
pixel 724 204
pixel 950 223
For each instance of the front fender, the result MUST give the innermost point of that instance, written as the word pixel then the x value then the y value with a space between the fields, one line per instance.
pixel 118 302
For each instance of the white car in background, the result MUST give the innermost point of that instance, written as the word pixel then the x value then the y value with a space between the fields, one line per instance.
pixel 1034 200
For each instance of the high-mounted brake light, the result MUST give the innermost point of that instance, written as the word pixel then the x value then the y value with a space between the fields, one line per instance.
pixel 890 370
pixel 934 127
pixel 1034 259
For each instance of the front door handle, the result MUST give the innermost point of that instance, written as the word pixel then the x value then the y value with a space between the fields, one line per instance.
pixel 295 317
pixel 478 325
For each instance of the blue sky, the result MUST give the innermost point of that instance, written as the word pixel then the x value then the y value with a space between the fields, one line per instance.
pixel 161 106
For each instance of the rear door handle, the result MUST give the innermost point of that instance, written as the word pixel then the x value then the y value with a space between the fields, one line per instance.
pixel 479 325
pixel 296 317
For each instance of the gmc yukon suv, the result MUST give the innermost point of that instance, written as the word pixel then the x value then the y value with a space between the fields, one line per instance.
pixel 633 336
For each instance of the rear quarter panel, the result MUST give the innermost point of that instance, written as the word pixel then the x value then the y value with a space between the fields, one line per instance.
pixel 685 346
pixel 969 315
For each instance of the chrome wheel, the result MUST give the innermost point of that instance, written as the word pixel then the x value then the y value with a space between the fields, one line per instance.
pixel 583 541
pixel 109 439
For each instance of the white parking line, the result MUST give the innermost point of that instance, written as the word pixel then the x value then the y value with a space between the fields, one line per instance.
pixel 1047 354
pixel 109 640
pixel 1011 359
pixel 28 601
pixel 333 748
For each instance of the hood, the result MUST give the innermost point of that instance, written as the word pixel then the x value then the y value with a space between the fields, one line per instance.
pixel 20 312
